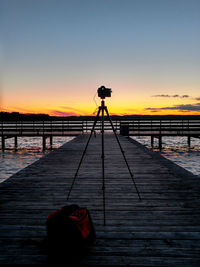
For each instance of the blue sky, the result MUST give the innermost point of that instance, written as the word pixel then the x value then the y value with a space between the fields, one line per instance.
pixel 56 53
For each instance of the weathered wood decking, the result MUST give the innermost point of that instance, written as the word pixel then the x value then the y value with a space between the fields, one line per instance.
pixel 161 230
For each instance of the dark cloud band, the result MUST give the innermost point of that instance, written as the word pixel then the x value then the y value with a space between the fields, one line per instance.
pixel 175 96
pixel 183 108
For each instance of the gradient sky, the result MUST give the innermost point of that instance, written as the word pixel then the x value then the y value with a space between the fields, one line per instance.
pixel 54 55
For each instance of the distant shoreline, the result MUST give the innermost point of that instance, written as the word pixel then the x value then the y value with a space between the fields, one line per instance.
pixel 4 116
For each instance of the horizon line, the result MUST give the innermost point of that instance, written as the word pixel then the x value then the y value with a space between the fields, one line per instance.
pixel 91 115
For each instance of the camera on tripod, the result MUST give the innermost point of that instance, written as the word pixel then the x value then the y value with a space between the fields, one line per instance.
pixel 104 92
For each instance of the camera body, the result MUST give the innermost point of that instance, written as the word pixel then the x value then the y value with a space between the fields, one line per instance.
pixel 104 92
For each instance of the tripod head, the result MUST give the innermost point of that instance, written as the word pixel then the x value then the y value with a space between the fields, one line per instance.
pixel 104 92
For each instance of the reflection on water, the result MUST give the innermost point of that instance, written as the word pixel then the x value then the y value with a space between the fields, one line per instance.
pixel 29 150
pixel 176 149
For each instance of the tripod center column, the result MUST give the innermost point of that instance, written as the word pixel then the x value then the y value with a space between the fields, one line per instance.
pixel 102 139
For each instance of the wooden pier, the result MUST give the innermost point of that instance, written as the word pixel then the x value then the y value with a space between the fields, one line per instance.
pixel 152 126
pixel 161 230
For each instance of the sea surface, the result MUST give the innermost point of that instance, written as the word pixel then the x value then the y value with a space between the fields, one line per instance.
pixel 30 150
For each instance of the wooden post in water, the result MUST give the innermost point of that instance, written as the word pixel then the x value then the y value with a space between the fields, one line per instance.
pixel 152 141
pixel 160 141
pixel 189 140
pixel 51 141
pixel 44 142
pixel 15 142
pixel 2 142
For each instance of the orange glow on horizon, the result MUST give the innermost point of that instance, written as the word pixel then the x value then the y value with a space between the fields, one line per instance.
pixel 79 103
pixel 90 112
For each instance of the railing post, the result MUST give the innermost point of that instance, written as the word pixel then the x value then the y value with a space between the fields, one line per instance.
pixel 182 126
pixel 21 127
pixel 160 136
pixel 160 126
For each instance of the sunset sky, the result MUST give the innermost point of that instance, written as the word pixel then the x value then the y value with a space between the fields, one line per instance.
pixel 55 54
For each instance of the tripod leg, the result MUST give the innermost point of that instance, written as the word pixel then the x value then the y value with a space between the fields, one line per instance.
pixel 103 158
pixel 95 122
pixel 131 174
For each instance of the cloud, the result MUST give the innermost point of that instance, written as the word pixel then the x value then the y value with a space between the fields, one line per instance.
pixel 174 96
pixel 18 109
pixel 160 96
pixel 185 96
pixel 67 111
pixel 62 113
pixel 197 98
pixel 2 109
pixel 76 111
pixel 183 108
pixel 70 108
pixel 153 109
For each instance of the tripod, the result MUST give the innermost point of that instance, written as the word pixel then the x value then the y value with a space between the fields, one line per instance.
pixel 101 110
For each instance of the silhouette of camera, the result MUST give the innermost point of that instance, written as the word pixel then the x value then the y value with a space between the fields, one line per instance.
pixel 104 92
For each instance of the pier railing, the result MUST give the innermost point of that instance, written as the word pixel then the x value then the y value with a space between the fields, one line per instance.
pixel 153 126
pixel 163 127
pixel 134 127
pixel 40 128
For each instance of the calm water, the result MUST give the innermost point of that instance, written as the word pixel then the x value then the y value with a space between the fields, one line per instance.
pixel 177 150
pixel 30 150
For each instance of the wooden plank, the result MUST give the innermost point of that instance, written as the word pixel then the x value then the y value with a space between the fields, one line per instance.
pixel 161 230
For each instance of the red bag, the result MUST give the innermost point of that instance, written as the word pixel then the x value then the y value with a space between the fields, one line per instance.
pixel 69 231
pixel 83 222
